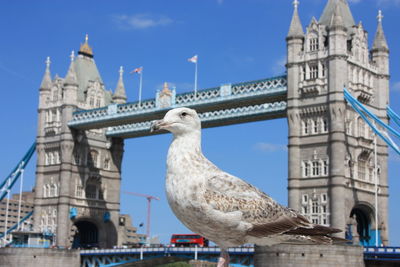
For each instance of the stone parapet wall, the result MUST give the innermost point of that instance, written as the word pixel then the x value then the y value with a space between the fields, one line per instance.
pixel 291 255
pixel 39 257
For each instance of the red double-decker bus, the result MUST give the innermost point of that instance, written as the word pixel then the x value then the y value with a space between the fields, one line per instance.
pixel 188 240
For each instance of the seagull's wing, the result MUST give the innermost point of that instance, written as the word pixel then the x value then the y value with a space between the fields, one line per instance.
pixel 226 193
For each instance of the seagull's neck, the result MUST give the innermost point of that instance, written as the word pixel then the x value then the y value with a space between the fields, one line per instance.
pixel 186 143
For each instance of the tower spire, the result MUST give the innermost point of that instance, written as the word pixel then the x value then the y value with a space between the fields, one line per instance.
pixel 85 49
pixel 380 42
pixel 343 10
pixel 120 94
pixel 337 18
pixel 70 78
pixel 46 81
pixel 295 29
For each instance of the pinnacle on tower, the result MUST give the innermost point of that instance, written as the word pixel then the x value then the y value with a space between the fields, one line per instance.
pixel 295 29
pixel 85 49
pixel 46 81
pixel 343 10
pixel 380 42
pixel 120 94
pixel 337 19
pixel 70 78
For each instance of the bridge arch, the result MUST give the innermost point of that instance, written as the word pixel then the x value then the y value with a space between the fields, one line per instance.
pixel 91 233
pixel 363 216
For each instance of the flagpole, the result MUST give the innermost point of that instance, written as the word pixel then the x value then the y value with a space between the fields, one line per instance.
pixel 140 87
pixel 195 81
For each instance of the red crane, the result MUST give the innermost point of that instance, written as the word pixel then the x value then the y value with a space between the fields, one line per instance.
pixel 149 199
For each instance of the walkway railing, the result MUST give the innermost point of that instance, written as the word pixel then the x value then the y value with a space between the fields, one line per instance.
pixel 225 97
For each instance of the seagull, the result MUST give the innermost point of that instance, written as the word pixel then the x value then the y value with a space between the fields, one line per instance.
pixel 219 206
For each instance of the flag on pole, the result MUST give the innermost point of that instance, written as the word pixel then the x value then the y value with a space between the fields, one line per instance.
pixel 140 72
pixel 193 59
pixel 137 70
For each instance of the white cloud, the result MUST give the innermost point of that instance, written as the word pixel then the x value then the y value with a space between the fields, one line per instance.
pixel 268 147
pixel 140 21
pixel 220 2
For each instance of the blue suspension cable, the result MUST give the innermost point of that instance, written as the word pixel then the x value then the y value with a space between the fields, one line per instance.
pixel 393 116
pixel 350 99
pixel 11 179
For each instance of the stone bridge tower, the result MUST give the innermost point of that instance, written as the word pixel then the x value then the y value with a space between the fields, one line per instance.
pixel 77 189
pixel 331 162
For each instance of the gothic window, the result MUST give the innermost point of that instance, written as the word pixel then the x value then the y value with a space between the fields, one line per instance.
pixel 46 159
pixel 324 198
pixel 361 168
pixel 314 207
pixel 323 69
pixel 304 73
pixel 79 189
pixel 315 126
pixel 305 199
pixel 306 127
pixel 304 210
pixel 107 163
pixel 306 169
pixel 314 44
pixel 325 167
pixel 313 72
pixel 91 191
pixel 324 125
pixel 98 102
pixel 315 168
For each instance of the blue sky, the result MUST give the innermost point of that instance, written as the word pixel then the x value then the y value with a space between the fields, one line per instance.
pixel 236 40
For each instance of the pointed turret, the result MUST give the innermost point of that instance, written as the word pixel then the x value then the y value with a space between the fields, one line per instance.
pixel 343 10
pixel 120 94
pixel 85 49
pixel 380 42
pixel 71 84
pixel 337 21
pixel 46 81
pixel 70 78
pixel 295 29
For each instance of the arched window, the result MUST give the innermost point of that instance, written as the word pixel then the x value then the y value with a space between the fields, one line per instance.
pixel 91 191
pixel 314 43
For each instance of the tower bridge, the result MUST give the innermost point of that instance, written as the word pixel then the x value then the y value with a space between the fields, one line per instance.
pixel 82 127
pixel 228 104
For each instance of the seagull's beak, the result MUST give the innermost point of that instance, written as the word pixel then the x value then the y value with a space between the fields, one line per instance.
pixel 157 125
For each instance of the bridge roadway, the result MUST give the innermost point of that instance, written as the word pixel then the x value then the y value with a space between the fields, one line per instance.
pixel 373 256
pixel 224 105
pixel 124 257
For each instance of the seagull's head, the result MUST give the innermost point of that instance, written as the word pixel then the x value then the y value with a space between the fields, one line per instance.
pixel 179 121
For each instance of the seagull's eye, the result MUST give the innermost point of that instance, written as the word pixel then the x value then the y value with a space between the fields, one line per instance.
pixel 184 114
